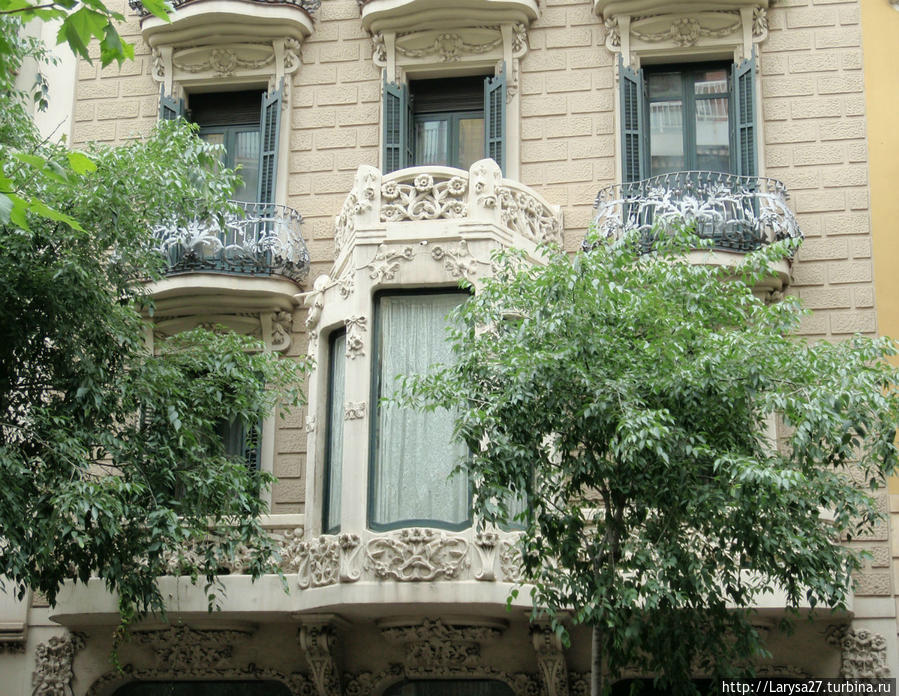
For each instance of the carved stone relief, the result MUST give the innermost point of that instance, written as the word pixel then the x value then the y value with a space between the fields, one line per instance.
pixel 416 555
pixel 224 62
pixel 682 30
pixel 318 641
pixel 434 648
pixel 53 672
pixel 386 262
pixel 282 326
pixel 510 561
pixel 355 345
pixel 180 651
pixel 457 261
pixel 423 199
pixel 485 543
pixel 316 562
pixel 448 46
pixel 863 653
pixel 354 410
pixel 550 659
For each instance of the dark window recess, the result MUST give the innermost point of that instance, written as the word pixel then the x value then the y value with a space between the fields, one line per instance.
pixel 241 441
pixel 451 122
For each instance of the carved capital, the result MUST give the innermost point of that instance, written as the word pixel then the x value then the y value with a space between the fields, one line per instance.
pixel 550 659
pixel 318 640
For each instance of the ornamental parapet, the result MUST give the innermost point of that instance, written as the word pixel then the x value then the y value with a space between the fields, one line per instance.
pixel 480 196
pixel 738 213
pixel 255 239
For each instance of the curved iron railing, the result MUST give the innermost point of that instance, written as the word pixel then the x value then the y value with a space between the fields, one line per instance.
pixel 259 240
pixel 309 6
pixel 738 213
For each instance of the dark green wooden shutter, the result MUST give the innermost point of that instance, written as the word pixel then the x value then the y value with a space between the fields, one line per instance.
pixel 169 107
pixel 270 125
pixel 744 116
pixel 495 118
pixel 398 139
pixel 633 136
pixel 252 448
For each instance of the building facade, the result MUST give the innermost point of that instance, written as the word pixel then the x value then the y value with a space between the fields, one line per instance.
pixel 412 138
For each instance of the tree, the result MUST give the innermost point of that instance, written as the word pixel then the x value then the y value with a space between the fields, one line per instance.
pixel 628 397
pixel 110 456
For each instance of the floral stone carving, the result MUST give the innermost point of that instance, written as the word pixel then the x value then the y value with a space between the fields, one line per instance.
pixel 434 648
pixel 54 672
pixel 416 555
pixel 423 199
pixel 863 653
pixel 318 642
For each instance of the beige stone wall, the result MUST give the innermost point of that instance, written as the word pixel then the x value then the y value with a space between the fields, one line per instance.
pixel 813 139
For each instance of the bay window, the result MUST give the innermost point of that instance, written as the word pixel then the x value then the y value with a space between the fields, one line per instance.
pixel 413 452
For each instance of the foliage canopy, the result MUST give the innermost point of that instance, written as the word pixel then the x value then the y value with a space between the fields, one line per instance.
pixel 111 457
pixel 630 398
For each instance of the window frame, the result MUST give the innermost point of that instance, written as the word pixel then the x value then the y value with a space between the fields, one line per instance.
pixel 452 140
pixel 329 404
pixel 375 396
pixel 687 73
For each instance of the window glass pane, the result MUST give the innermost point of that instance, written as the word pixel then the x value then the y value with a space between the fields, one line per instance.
pixel 712 135
pixel 414 452
pixel 246 156
pixel 471 142
pixel 662 85
pixel 335 432
pixel 710 82
pixel 431 141
pixel 666 136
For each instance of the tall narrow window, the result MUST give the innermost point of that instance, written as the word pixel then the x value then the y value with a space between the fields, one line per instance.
pixel 413 452
pixel 334 453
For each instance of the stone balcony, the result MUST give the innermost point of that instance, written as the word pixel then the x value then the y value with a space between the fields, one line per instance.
pixel 253 256
pixel 406 15
pixel 738 214
pixel 229 21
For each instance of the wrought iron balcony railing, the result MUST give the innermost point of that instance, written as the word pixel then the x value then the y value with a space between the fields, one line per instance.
pixel 738 213
pixel 309 6
pixel 259 240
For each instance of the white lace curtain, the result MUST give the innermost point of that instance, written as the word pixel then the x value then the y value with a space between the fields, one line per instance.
pixel 414 450
pixel 335 432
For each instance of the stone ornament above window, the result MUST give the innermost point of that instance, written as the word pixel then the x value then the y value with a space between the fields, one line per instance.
pixel 407 15
pixel 637 28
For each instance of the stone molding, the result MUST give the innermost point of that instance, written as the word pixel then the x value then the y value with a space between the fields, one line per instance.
pixel 405 555
pixel 273 328
pixel 440 649
pixel 175 66
pixel 443 193
pixel 550 659
pixel 863 653
pixel 54 665
pixel 709 26
pixel 182 652
pixel 318 639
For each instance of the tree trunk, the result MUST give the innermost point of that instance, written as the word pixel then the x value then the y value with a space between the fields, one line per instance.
pixel 596 663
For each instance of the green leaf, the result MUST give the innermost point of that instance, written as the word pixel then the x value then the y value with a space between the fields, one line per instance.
pixel 40 208
pixel 158 8
pixel 81 163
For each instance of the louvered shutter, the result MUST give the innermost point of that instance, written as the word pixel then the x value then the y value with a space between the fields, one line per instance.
pixel 270 125
pixel 397 127
pixel 633 136
pixel 251 446
pixel 495 118
pixel 169 107
pixel 745 116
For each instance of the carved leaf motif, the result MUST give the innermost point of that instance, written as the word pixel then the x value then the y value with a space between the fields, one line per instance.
pixel 417 555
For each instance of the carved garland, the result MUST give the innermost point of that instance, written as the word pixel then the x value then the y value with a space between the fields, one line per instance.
pixel 863 653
